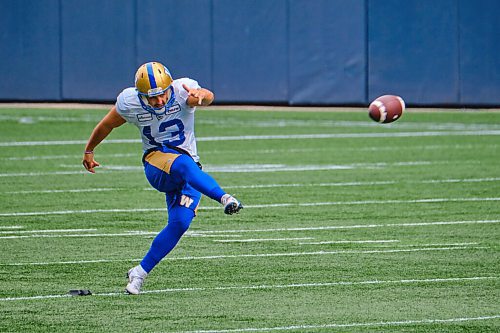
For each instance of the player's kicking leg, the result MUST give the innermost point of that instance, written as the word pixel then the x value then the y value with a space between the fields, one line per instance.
pixel 184 168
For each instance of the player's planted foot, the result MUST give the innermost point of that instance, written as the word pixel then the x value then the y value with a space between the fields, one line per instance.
pixel 231 205
pixel 136 276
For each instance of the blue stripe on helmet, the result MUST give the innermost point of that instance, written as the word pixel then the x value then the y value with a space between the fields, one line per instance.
pixel 151 75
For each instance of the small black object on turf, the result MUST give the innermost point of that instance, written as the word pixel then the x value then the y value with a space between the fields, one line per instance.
pixel 80 292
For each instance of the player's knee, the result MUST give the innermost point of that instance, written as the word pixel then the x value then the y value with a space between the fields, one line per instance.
pixel 179 226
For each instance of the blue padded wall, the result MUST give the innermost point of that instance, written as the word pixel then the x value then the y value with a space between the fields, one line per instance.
pixel 98 48
pixel 178 34
pixel 250 51
pixel 29 51
pixel 327 52
pixel 413 50
pixel 479 52
pixel 297 52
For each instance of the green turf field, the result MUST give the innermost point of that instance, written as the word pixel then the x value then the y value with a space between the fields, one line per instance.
pixel 348 226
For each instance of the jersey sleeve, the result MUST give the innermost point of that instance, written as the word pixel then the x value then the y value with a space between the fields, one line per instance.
pixel 124 105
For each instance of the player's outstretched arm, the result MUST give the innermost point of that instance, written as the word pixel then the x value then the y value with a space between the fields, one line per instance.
pixel 100 132
pixel 199 96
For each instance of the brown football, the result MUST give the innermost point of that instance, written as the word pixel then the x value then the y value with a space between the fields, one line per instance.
pixel 386 109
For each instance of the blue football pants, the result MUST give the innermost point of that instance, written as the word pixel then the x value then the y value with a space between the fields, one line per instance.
pixel 183 183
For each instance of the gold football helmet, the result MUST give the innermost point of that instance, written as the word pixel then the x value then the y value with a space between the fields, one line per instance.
pixel 153 79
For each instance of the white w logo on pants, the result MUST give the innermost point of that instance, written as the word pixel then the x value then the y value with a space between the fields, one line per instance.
pixel 186 201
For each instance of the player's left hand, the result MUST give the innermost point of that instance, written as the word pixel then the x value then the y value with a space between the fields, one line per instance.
pixel 200 94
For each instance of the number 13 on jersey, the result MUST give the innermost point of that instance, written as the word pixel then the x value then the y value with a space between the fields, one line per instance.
pixel 172 133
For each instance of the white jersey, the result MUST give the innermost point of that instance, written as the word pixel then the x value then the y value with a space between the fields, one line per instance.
pixel 175 128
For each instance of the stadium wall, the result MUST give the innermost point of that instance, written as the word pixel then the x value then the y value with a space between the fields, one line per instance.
pixel 296 52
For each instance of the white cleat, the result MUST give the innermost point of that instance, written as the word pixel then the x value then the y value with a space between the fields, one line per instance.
pixel 136 276
pixel 231 205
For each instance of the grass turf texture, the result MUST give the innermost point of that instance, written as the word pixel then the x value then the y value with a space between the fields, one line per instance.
pixel 361 230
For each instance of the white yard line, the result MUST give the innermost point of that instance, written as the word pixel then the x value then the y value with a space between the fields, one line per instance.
pixel 458 180
pixel 70 262
pixel 60 143
pixel 82 190
pixel 57 157
pixel 374 183
pixel 258 151
pixel 257 240
pixel 235 233
pixel 259 186
pixel 431 244
pixel 123 234
pixel 348 149
pixel 85 211
pixel 195 234
pixel 276 167
pixel 311 185
pixel 352 242
pixel 47 231
pixel 269 137
pixel 48 173
pixel 368 202
pixel 47 234
pixel 356 226
pixel 284 168
pixel 289 123
pixel 320 253
pixel 276 286
pixel 12 227
pixel 347 325
pixel 259 255
pixel 236 168
pixel 233 168
pixel 277 205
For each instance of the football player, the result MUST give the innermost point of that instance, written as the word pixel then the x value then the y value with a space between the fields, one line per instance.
pixel 163 110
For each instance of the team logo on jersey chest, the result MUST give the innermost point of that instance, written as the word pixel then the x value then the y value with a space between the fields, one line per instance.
pixel 174 108
pixel 144 117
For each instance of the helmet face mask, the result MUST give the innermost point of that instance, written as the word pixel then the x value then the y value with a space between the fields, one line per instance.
pixel 158 111
pixel 153 79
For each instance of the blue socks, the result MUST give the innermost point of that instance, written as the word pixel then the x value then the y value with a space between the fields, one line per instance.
pixel 178 222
